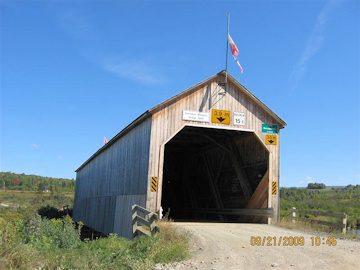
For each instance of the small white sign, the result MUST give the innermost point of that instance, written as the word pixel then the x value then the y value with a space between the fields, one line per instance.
pixel 239 119
pixel 196 116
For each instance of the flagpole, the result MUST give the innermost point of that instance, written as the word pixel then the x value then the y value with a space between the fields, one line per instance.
pixel 227 50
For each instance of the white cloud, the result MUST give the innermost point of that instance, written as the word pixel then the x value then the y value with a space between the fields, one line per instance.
pixel 313 44
pixel 307 180
pixel 34 145
pixel 78 24
pixel 60 156
pixel 142 71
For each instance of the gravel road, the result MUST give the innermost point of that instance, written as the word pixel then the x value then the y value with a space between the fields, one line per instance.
pixel 227 246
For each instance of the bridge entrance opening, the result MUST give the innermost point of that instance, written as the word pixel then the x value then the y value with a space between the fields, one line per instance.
pixel 210 174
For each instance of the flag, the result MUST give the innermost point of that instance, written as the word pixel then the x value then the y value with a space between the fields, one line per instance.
pixel 105 140
pixel 234 51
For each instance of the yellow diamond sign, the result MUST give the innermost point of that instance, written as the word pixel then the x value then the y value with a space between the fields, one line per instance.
pixel 271 139
pixel 220 117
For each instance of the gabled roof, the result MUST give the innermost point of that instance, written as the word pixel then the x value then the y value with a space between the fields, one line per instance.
pixel 179 96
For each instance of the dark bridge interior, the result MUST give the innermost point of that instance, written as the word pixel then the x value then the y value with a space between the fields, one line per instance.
pixel 208 172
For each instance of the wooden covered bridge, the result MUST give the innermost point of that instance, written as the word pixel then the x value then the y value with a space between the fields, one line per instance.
pixel 209 153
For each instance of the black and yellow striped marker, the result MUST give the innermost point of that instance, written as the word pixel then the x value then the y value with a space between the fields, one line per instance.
pixel 274 188
pixel 153 184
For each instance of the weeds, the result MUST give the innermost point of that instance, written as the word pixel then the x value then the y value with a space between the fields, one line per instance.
pixel 35 242
pixel 313 227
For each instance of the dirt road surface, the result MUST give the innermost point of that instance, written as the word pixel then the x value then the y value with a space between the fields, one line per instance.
pixel 227 246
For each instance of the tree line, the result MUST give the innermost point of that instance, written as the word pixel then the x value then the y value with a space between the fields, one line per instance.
pixel 335 200
pixel 316 186
pixel 13 181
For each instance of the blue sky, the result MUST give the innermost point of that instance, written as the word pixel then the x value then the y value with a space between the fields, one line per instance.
pixel 73 72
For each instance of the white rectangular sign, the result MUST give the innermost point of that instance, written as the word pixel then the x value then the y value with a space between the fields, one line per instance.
pixel 196 116
pixel 239 119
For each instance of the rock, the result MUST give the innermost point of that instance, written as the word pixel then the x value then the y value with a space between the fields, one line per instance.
pixel 274 265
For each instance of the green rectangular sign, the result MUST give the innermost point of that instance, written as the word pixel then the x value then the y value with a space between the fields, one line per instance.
pixel 270 128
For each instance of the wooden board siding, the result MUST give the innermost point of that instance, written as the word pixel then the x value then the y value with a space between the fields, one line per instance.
pixel 123 213
pixel 121 169
pixel 97 213
pixel 168 121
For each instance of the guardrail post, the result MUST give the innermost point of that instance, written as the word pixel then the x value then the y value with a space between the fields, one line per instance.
pixel 344 224
pixel 134 222
pixel 146 225
pixel 293 215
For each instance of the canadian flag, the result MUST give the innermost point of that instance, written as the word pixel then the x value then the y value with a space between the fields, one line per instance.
pixel 234 51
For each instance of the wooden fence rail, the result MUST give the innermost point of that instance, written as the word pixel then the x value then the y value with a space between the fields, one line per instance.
pixel 144 225
pixel 339 225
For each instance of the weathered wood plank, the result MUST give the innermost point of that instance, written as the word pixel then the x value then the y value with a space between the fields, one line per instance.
pixel 260 193
pixel 137 208
pixel 327 223
pixel 317 213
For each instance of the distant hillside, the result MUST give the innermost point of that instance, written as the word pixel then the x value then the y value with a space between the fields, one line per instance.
pixel 335 200
pixel 13 181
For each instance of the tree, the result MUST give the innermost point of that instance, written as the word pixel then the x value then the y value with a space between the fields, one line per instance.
pixel 41 187
pixel 16 182
pixel 316 186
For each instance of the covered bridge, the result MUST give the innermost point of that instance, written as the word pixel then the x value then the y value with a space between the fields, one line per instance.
pixel 204 154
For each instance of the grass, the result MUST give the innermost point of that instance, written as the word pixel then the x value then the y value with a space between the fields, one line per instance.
pixel 105 253
pixel 26 203
pixel 29 242
pixel 314 228
pixel 334 200
pixel 14 196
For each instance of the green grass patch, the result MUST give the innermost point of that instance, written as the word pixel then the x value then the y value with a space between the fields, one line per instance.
pixel 28 241
pixel 35 242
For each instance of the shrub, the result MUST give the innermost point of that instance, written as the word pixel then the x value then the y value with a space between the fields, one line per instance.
pixel 49 212
pixel 40 243
pixel 8 233
pixel 48 234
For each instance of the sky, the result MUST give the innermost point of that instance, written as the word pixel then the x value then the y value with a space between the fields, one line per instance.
pixel 72 72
